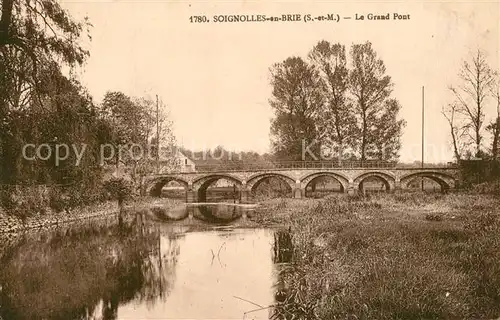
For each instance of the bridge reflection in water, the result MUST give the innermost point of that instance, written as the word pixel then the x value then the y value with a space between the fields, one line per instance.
pixel 161 270
pixel 297 178
pixel 214 213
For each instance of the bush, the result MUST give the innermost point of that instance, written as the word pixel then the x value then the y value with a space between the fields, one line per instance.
pixel 491 187
pixel 118 189
pixel 24 201
pixel 433 217
pixel 7 198
pixel 57 200
pixel 476 171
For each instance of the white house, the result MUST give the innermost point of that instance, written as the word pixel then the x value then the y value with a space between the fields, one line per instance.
pixel 186 164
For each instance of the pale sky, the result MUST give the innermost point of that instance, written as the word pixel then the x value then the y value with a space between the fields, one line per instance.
pixel 214 77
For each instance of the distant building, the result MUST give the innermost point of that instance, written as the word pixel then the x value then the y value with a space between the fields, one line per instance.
pixel 180 162
pixel 186 164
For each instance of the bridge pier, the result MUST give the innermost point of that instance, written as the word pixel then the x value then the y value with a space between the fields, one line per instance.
pixel 298 192
pixel 245 195
pixel 191 196
pixel 351 189
pixel 397 186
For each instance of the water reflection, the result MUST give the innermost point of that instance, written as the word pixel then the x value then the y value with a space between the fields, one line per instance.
pixel 82 275
pixel 216 213
pixel 220 214
pixel 144 271
pixel 286 306
pixel 283 246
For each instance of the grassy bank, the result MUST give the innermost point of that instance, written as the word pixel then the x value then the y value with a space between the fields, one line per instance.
pixel 408 256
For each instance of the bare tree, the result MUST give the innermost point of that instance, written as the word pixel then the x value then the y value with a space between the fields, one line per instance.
pixel 457 129
pixel 476 77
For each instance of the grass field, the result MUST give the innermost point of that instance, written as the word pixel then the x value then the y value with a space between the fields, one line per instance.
pixel 406 256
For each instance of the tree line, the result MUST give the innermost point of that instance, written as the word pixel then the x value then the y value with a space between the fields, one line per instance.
pixel 476 95
pixel 42 102
pixel 334 105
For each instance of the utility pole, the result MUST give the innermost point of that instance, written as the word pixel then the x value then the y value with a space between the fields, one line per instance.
pixel 423 114
pixel 157 138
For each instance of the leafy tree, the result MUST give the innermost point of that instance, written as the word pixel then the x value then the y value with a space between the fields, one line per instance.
pixel 167 142
pixel 337 119
pixel 118 189
pixel 42 29
pixel 296 99
pixel 494 126
pixel 386 137
pixel 335 106
pixel 494 129
pixel 130 126
pixel 64 115
pixel 34 35
pixel 370 87
pixel 124 124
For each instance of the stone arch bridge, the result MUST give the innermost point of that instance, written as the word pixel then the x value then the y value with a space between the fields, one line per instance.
pixel 350 179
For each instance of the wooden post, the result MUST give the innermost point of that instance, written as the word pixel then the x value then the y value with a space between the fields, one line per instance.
pixel 423 135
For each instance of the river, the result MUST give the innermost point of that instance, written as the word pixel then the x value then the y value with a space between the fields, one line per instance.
pixel 143 270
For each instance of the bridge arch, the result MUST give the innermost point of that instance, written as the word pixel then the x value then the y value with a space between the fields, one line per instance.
pixel 255 180
pixel 155 185
pixel 446 181
pixel 201 184
pixel 388 180
pixel 344 181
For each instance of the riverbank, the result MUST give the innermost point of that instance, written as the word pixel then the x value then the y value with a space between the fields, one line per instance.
pixel 404 256
pixel 12 225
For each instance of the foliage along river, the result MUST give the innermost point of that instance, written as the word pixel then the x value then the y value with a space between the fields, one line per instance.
pixel 144 270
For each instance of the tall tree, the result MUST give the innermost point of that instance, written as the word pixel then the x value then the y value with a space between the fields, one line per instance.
pixel 124 120
pixel 458 130
pixel 40 28
pixel 370 87
pixel 337 120
pixel 63 112
pixel 476 77
pixel 296 99
pixel 494 126
pixel 33 35
pixel 164 130
pixel 386 136
pixel 130 125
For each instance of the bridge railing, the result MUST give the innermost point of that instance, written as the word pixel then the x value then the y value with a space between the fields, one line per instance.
pixel 242 165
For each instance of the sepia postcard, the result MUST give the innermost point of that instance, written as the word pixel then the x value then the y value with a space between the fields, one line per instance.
pixel 232 159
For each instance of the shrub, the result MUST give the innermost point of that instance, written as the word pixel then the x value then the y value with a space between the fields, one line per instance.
pixel 118 189
pixel 433 217
pixel 7 198
pixel 57 200
pixel 24 201
pixel 492 187
pixel 159 213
